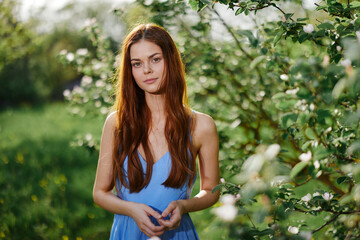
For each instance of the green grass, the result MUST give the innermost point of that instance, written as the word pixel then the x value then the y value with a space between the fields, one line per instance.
pixel 45 184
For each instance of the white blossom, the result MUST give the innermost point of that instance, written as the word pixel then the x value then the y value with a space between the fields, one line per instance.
pixel 89 22
pixel 78 90
pixel 82 51
pixel 103 110
pixel 99 83
pixel 293 230
pixel 327 196
pixel 316 194
pixel 97 104
pixel 305 157
pixel 253 164
pixel 306 198
pixel 338 48
pixel 86 80
pixel 315 143
pixel 75 110
pixel 108 87
pixel 292 91
pixel 272 151
pixel 284 77
pixel 308 28
pixel 97 66
pixel 326 61
pixel 316 164
pixel 222 180
pixel 226 212
pixel 103 76
pixel 345 62
pixel 279 180
pixel 328 130
pixel 228 199
pixel 88 137
pixel 70 57
pixel 312 107
pixel 306 235
pixel 66 93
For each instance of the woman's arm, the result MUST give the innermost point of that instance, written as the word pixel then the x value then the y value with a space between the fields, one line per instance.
pixel 206 143
pixel 103 188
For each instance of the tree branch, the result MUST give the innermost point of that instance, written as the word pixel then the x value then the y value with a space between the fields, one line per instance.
pixel 233 35
pixel 325 224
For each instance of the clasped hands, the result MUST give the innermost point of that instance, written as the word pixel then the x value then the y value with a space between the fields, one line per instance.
pixel 142 212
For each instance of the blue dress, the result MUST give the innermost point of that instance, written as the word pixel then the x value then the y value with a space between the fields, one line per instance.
pixel 158 197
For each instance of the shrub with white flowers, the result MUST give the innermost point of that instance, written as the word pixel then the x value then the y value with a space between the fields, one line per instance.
pixel 285 97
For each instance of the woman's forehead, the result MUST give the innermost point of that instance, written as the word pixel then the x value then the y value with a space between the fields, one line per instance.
pixel 144 49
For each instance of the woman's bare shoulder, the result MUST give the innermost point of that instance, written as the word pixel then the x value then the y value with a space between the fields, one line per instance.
pixel 111 120
pixel 204 126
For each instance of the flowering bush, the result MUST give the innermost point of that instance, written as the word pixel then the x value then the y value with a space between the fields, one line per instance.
pixel 285 97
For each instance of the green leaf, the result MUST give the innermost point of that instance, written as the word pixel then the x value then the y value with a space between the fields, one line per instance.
pixel 266 232
pixel 303 118
pixel 310 134
pixel 305 146
pixel 194 4
pixel 286 105
pixel 320 152
pixel 288 118
pixel 320 33
pixel 326 26
pixel 256 61
pixel 201 6
pixel 303 37
pixel 280 95
pixel 217 187
pixel 321 7
pixel 355 4
pixel 322 114
pixel 278 37
pixel 297 169
pixel 341 179
pixel 239 10
pixel 288 15
pixel 301 19
pixel 252 39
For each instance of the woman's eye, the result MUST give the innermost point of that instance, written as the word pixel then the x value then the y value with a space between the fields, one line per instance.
pixel 136 64
pixel 156 60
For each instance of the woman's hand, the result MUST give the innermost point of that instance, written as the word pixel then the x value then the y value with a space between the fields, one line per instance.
pixel 176 210
pixel 141 214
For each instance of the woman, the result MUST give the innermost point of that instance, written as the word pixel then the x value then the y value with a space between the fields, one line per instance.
pixel 150 143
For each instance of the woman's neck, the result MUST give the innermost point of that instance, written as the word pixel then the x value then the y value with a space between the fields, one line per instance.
pixel 156 104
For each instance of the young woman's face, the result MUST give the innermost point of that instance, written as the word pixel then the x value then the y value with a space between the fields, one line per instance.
pixel 148 66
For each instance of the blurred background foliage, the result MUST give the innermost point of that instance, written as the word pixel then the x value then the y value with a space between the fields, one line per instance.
pixel 280 78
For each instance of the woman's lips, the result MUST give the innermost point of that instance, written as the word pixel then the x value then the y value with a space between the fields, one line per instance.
pixel 150 80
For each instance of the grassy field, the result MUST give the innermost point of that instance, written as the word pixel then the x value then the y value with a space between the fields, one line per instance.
pixel 46 184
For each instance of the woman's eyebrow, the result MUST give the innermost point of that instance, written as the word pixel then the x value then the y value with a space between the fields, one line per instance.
pixel 151 56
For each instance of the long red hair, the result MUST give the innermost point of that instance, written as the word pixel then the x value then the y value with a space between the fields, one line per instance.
pixel 134 116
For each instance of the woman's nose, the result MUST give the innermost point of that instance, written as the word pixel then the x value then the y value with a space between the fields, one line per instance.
pixel 147 68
